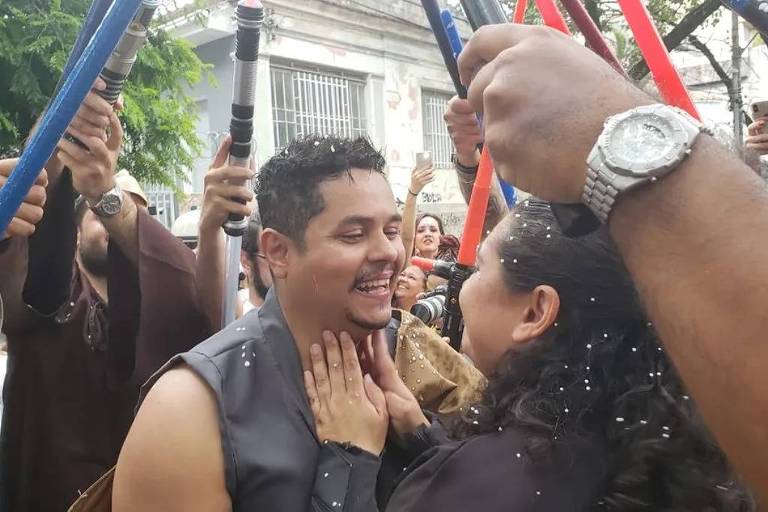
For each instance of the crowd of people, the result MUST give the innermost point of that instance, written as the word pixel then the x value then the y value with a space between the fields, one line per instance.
pixel 620 370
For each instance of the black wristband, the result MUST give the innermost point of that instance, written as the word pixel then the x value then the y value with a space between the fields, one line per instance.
pixel 413 193
pixel 463 168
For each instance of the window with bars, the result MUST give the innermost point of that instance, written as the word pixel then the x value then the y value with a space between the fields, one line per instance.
pixel 164 200
pixel 308 102
pixel 436 137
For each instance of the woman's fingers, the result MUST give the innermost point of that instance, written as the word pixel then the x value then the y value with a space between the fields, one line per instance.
pixel 311 388
pixel 352 372
pixel 320 372
pixel 335 368
pixel 375 395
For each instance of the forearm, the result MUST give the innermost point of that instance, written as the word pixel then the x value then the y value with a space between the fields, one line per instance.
pixel 695 245
pixel 409 223
pixel 209 273
pixel 497 205
pixel 52 248
pixel 123 229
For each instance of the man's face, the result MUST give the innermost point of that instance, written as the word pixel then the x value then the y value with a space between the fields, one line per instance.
pixel 92 244
pixel 345 276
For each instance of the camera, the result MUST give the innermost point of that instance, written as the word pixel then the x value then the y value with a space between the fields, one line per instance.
pixel 429 310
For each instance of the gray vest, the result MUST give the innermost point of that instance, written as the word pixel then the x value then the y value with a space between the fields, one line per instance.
pixel 267 428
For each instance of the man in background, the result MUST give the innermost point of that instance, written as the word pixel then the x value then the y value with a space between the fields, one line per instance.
pixel 257 277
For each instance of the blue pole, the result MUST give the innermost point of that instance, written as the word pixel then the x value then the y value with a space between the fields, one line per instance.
pixel 64 107
pixel 95 14
pixel 751 11
pixel 432 11
pixel 453 33
pixel 455 38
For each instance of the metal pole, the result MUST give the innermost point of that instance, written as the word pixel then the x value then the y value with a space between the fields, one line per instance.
pixel 250 16
pixel 736 100
pixel 64 107
pixel 122 59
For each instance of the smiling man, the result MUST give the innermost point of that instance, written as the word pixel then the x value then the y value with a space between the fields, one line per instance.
pixel 227 426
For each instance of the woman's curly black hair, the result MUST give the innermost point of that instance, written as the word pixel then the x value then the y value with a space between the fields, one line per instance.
pixel 600 371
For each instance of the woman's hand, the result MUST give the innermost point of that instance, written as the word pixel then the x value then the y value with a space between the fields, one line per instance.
pixel 347 406
pixel 404 410
pixel 420 178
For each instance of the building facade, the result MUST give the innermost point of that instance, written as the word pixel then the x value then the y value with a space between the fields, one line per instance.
pixel 347 67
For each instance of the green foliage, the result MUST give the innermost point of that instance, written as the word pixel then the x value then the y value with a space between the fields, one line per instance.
pixel 159 118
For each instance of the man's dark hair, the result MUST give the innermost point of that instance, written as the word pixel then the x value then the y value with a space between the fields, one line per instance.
pixel 251 236
pixel 287 185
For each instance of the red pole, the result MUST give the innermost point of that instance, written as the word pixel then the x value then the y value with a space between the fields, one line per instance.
pixel 656 55
pixel 594 38
pixel 478 203
pixel 520 8
pixel 552 16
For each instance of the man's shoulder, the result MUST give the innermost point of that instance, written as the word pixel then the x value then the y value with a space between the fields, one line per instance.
pixel 173 449
pixel 231 339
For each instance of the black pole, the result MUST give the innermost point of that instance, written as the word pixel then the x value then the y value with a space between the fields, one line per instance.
pixel 432 10
pixel 483 12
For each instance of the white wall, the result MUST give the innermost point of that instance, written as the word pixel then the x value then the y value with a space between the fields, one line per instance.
pixel 396 58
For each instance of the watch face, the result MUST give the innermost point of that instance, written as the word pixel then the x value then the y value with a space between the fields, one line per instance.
pixel 111 204
pixel 644 144
pixel 642 140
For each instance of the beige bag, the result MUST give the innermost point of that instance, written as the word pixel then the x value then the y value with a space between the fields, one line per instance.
pixel 439 377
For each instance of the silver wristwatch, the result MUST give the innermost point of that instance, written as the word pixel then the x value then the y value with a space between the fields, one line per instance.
pixel 110 204
pixel 635 148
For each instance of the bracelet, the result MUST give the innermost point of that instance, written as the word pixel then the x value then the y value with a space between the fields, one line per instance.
pixel 464 169
pixel 413 194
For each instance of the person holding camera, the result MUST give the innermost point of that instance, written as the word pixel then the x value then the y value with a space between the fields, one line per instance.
pixel 757 138
pixel 411 282
pixel 421 176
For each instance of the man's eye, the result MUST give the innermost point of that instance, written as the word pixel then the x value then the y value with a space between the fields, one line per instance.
pixel 352 237
pixel 392 233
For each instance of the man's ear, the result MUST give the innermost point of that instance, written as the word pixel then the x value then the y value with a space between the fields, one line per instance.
pixel 276 248
pixel 538 316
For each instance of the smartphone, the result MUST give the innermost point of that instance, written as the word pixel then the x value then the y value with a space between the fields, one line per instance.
pixel 424 159
pixel 760 109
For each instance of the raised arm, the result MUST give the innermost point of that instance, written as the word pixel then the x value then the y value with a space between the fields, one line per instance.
pixel 466 134
pixel 420 178
pixel 93 169
pixel 217 205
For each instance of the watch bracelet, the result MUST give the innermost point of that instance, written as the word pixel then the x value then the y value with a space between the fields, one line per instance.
pixel 598 196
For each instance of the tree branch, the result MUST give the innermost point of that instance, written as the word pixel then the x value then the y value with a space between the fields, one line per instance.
pixel 677 35
pixel 721 73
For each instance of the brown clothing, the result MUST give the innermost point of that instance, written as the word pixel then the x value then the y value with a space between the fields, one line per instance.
pixel 76 365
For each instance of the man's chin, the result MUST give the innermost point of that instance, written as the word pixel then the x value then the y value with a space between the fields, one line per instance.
pixel 370 323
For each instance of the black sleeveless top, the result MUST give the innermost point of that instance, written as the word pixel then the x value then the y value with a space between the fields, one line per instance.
pixel 273 459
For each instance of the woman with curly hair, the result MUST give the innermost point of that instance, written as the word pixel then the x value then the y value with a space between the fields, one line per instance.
pixel 584 410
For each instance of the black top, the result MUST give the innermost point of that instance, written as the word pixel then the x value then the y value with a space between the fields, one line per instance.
pixel 273 459
pixel 492 473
